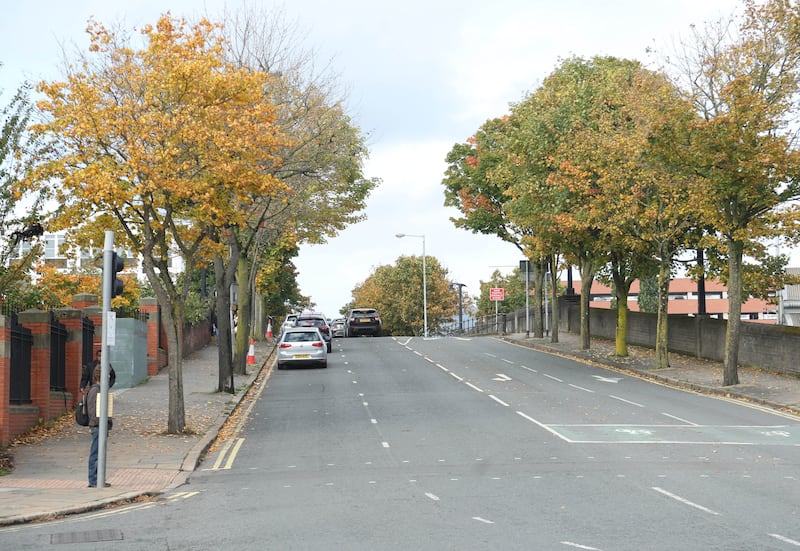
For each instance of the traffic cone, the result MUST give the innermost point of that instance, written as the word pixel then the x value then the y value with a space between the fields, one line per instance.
pixel 269 329
pixel 251 354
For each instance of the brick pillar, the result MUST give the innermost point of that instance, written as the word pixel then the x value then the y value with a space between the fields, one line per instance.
pixel 95 313
pixel 84 300
pixel 38 322
pixel 149 307
pixel 5 381
pixel 72 319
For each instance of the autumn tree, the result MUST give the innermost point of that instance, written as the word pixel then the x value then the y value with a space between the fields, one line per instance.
pixel 744 85
pixel 322 162
pixel 396 291
pixel 170 142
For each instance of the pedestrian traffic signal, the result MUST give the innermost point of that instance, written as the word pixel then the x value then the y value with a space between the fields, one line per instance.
pixel 117 264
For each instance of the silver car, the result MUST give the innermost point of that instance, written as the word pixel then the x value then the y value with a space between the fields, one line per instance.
pixel 302 346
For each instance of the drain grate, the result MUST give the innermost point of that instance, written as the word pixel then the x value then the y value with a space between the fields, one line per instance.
pixel 88 536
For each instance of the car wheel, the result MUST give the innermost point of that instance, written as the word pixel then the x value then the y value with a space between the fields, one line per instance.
pixel 325 365
pixel 281 366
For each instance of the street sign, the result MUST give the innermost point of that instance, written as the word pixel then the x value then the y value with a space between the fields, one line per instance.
pixel 497 293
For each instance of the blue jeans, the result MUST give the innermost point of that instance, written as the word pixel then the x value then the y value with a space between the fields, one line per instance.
pixel 93 456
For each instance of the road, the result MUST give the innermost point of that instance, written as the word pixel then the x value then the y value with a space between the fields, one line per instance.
pixel 471 444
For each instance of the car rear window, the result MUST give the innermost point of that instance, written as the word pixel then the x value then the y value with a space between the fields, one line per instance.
pixel 301 336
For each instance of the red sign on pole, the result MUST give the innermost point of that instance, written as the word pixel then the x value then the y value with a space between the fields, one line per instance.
pixel 497 293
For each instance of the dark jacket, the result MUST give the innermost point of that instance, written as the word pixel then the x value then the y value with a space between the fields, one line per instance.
pixel 86 374
pixel 91 405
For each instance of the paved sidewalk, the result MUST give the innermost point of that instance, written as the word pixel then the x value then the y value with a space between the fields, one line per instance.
pixel 49 477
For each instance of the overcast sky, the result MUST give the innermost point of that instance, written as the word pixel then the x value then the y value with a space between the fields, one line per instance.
pixel 421 76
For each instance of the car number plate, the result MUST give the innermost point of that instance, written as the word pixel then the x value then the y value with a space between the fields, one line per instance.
pixel 302 356
pixel 365 320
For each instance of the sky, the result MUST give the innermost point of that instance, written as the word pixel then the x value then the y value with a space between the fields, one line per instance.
pixel 420 76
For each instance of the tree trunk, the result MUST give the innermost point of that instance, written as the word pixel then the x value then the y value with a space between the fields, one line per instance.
pixel 621 287
pixel 662 324
pixel 176 421
pixel 587 277
pixel 554 296
pixel 245 306
pixel 731 364
pixel 538 281
pixel 224 270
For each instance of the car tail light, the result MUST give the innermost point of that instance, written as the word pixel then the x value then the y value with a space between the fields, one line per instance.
pixel 317 344
pixel 285 345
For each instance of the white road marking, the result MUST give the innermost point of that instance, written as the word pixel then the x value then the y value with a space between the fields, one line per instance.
pixel 483 520
pixel 684 500
pixel 454 376
pixel 579 546
pixel 784 539
pixel 626 401
pixel 474 387
pixel 581 388
pixel 490 355
pixel 434 497
pixel 551 377
pixel 545 427
pixel 440 366
pixel 498 400
pixel 373 421
pixel 501 377
pixel 607 379
pixel 679 419
pixel 385 444
pixel 507 361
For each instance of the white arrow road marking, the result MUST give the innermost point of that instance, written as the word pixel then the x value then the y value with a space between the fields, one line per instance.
pixel 434 497
pixel 501 377
pixel 607 379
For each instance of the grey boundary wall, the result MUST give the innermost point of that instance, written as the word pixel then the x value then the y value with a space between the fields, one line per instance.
pixel 770 347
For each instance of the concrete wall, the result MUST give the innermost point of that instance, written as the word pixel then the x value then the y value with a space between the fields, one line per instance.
pixel 129 353
pixel 771 347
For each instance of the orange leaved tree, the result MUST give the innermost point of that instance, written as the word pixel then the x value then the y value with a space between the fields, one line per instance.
pixel 166 143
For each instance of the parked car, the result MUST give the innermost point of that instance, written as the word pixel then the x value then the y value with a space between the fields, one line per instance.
pixel 288 322
pixel 307 319
pixel 337 327
pixel 302 346
pixel 363 321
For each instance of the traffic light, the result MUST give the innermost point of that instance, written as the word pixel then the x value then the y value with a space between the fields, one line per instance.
pixel 117 264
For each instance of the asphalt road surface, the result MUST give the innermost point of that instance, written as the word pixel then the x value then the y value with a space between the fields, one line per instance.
pixel 471 444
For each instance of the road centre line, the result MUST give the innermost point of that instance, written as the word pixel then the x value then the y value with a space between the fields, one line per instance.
pixel 581 388
pixel 551 377
pixel 579 546
pixel 685 501
pixel 529 369
pixel 490 355
pixel 473 387
pixel 498 400
pixel 784 539
pixel 443 368
pixel 507 361
pixel 483 520
pixel 626 401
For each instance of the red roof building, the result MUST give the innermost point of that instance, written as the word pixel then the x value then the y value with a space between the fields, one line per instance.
pixel 683 297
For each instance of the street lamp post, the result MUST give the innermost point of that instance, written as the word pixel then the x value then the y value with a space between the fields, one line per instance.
pixel 424 280
pixel 460 305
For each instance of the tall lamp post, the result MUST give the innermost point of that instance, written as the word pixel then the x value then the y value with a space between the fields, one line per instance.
pixel 424 280
pixel 460 305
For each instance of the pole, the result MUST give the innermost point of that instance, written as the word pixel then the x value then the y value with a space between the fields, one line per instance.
pixel 460 310
pixel 424 288
pixel 546 315
pixel 108 253
pixel 527 299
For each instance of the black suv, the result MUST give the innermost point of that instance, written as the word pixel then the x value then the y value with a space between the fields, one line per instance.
pixel 320 322
pixel 363 321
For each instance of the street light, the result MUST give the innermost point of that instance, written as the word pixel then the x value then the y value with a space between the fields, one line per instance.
pixel 424 279
pixel 460 307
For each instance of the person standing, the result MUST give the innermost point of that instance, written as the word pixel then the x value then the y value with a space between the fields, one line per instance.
pixel 94 425
pixel 88 370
